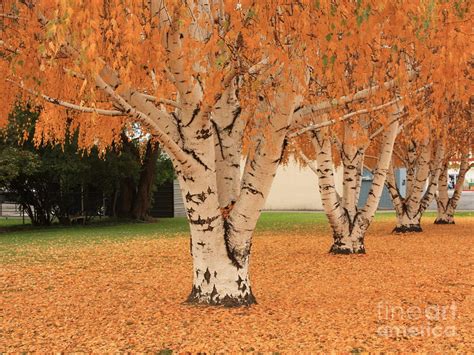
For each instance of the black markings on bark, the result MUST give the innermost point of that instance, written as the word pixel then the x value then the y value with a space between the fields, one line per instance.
pixel 352 222
pixel 198 198
pixel 207 276
pixel 252 190
pixel 285 128
pixel 297 109
pixel 194 115
pixel 214 293
pixel 202 222
pixel 239 282
pixel 338 249
pixel 228 228
pixel 443 221
pixel 214 299
pixel 283 150
pixel 203 133
pixel 195 294
pixel 235 115
pixel 208 229
pixel 227 301
pixel 188 178
pixel 196 158
pixel 217 97
pixel 219 139
pixel 178 125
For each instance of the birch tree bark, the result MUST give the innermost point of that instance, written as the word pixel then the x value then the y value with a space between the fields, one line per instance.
pixel 423 172
pixel 223 217
pixel 447 205
pixel 349 223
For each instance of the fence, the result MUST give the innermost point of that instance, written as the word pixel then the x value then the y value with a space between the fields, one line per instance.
pixel 75 206
pixel 10 209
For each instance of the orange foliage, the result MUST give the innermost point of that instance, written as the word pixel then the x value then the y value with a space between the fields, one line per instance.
pixel 56 47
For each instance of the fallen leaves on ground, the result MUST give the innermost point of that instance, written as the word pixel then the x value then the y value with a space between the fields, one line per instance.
pixel 127 296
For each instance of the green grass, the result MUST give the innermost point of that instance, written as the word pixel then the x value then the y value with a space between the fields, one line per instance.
pixel 13 232
pixel 17 233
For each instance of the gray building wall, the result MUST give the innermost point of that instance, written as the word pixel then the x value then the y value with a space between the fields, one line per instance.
pixel 385 200
pixel 179 210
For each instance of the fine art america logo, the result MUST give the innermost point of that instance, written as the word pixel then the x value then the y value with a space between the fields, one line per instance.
pixel 433 320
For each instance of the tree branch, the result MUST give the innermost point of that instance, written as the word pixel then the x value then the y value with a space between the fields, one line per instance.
pixel 325 106
pixel 10 16
pixel 69 105
pixel 352 114
pixel 167 142
pixel 161 101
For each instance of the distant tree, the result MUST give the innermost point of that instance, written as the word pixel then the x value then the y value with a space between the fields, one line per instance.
pixel 134 193
pixel 459 147
pixel 61 181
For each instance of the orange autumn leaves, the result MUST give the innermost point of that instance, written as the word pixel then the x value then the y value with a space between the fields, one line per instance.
pixel 56 47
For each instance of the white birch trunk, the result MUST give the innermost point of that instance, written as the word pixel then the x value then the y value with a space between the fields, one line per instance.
pixel 348 223
pixel 345 242
pixel 217 279
pixel 447 205
pixel 419 196
pixel 352 158
pixel 228 127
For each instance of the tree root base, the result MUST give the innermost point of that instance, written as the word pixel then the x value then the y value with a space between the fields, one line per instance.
pixel 443 221
pixel 337 250
pixel 226 301
pixel 412 228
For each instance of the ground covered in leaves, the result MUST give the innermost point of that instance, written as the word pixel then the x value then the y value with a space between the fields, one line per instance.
pixel 410 292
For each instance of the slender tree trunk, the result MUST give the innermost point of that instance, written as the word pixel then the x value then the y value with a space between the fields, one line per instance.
pixel 125 198
pixel 349 224
pixel 348 239
pixel 445 211
pixel 447 205
pixel 410 209
pixel 142 198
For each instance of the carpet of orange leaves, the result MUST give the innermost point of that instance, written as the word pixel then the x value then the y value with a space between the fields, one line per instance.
pixel 127 296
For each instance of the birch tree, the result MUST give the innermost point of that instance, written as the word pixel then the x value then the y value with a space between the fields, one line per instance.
pixel 187 73
pixel 423 160
pixel 459 149
pixel 365 52
pixel 425 143
pixel 447 204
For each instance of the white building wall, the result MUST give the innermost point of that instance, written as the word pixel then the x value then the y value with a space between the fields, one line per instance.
pixel 296 188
